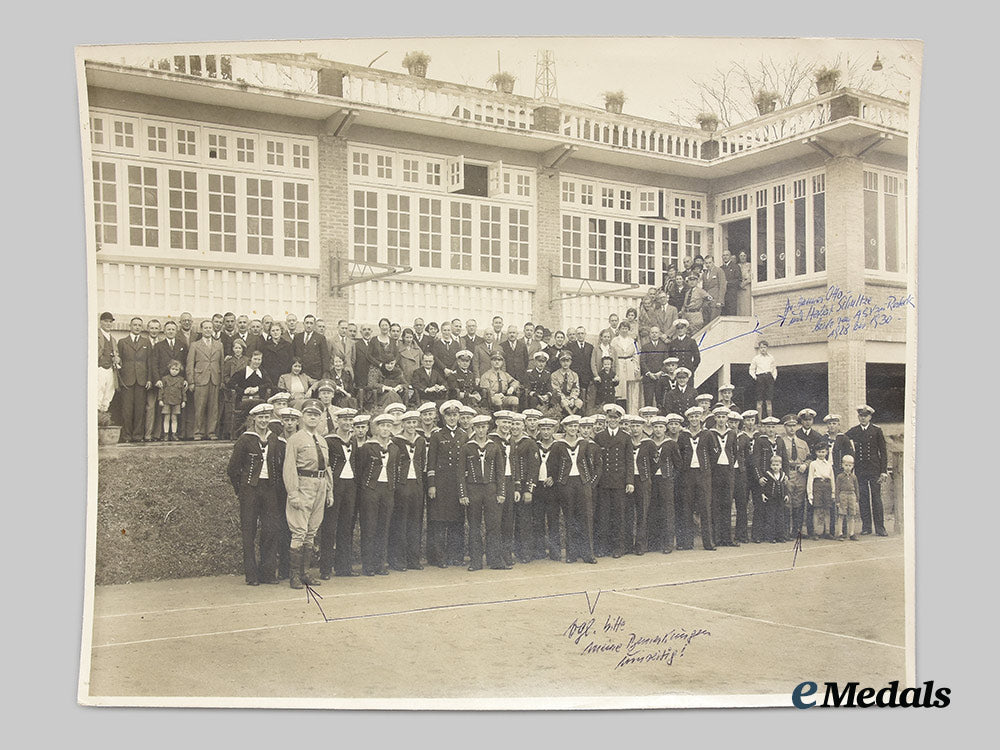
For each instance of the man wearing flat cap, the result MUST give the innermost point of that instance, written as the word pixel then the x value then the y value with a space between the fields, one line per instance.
pixel 871 466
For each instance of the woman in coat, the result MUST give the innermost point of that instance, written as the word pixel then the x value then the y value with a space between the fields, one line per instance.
pixel 277 354
pixel 296 383
pixel 409 354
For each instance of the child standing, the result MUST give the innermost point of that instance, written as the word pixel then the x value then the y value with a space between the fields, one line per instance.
pixel 847 498
pixel 774 489
pixel 764 371
pixel 819 489
pixel 172 398
pixel 605 383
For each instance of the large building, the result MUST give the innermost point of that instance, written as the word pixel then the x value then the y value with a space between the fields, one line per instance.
pixel 274 184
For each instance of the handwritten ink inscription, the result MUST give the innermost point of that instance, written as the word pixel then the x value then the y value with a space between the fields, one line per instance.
pixel 839 313
pixel 627 647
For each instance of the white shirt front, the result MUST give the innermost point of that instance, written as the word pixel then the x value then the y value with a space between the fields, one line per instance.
pixel 543 469
pixel 694 453
pixel 574 454
pixel 383 475
pixel 347 473
pixel 723 458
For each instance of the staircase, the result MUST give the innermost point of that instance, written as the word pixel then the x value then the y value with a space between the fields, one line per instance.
pixel 725 340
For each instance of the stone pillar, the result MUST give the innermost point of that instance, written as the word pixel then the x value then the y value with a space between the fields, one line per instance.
pixel 548 255
pixel 845 264
pixel 334 223
pixel 547 118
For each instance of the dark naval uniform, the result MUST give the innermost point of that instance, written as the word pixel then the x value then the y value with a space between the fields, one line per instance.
pixel 871 460
pixel 666 461
pixel 408 513
pixel 445 515
pixel 617 472
pixel 481 481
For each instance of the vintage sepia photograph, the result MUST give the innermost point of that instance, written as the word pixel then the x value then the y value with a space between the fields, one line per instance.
pixel 499 373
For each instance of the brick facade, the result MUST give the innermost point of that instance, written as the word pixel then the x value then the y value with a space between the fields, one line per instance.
pixel 334 219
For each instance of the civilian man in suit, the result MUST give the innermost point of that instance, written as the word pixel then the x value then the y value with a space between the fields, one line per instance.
pixel 107 366
pixel 428 382
pixel 228 333
pixel 582 352
pixel 168 348
pixel 472 337
pixel 651 367
pixel 342 345
pixel 363 357
pixel 617 480
pixel 482 355
pixel 515 354
pixel 734 277
pixel 444 350
pixel 243 333
pixel 204 377
pixel 153 425
pixel 714 283
pixel 871 465
pixel 684 348
pixel 311 348
pixel 186 331
pixel 420 336
pixel 134 352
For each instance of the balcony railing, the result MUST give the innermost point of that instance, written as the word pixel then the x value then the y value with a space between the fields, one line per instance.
pixel 406 93
pixel 799 119
pixel 632 133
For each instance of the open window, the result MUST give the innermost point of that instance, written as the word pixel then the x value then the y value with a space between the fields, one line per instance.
pixel 470 179
pixel 494 182
pixel 456 174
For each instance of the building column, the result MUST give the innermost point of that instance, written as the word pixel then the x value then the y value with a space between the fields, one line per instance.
pixel 334 221
pixel 845 264
pixel 548 256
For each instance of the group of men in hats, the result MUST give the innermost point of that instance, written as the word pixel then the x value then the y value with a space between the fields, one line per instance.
pixel 517 486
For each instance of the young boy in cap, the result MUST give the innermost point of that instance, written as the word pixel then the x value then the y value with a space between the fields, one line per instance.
pixel 250 477
pixel 574 477
pixel 616 483
pixel 774 488
pixel 872 461
pixel 819 492
pixel 605 382
pixel 698 455
pixel 723 478
pixel 172 399
pixel 310 489
pixel 765 447
pixel 338 521
pixel 666 461
pixel 378 467
pixel 848 491
pixel 445 515
pixel 482 494
pixel 408 512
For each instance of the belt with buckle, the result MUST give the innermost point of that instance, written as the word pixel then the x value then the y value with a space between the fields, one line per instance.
pixel 313 474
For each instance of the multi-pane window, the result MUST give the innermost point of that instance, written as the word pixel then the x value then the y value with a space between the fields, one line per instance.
pixel 105 182
pixel 383 166
pixel 143 214
pixel 411 170
pixel 572 245
pixel 300 156
pixel 360 164
pixel 489 238
pixel 124 134
pixel 734 204
pixel 597 246
pixel 433 173
pixel 517 242
pixel 365 225
pixel 398 228
pixel 625 200
pixel 182 201
pixel 799 226
pixel 623 252
pixel 260 216
pixel 295 197
pixel 276 154
pixel 218 146
pixel 524 185
pixel 186 142
pixel 762 248
pixel 430 232
pixel 586 194
pixel 695 208
pixel 156 139
pixel 461 236
pixel 607 197
pixel 680 207
pixel 819 222
pixel 568 191
pixel 646 247
pixel 780 261
pixel 692 242
pixel 884 221
pixel 222 213
pixel 245 149
pixel 97 131
pixel 671 251
pixel 647 202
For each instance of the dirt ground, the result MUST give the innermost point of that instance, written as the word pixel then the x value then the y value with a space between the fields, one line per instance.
pixel 738 621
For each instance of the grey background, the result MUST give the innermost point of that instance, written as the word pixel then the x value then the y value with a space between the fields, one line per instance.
pixel 45 301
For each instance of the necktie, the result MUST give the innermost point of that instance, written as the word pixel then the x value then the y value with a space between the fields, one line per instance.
pixel 319 454
pixel 499 382
pixel 307 338
pixel 795 452
pixel 329 421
